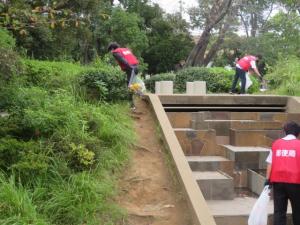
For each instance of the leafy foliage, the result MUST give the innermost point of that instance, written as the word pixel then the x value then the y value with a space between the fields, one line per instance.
pixel 6 40
pixel 10 64
pixel 285 77
pixel 150 83
pixel 125 28
pixel 106 84
pixel 51 75
pixel 169 43
pixel 218 80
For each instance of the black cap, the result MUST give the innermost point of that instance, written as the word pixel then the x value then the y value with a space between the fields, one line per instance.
pixel 112 46
pixel 291 128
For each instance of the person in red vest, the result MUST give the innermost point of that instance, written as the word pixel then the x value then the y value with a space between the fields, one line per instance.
pixel 128 63
pixel 243 65
pixel 283 173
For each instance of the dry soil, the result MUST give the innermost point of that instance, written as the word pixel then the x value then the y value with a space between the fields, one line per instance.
pixel 149 190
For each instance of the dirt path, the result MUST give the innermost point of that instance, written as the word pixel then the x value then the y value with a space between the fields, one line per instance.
pixel 148 190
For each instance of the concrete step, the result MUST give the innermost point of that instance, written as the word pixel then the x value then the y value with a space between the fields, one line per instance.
pixel 236 211
pixel 197 142
pixel 233 108
pixel 254 137
pixel 250 157
pixel 210 163
pixel 257 116
pixel 256 180
pixel 215 185
pixel 219 115
pixel 222 140
pixel 180 119
pixel 223 127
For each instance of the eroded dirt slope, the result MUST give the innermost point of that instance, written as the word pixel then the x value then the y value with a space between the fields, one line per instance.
pixel 148 189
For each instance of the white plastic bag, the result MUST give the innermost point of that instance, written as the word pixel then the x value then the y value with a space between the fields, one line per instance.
pixel 137 86
pixel 248 82
pixel 259 212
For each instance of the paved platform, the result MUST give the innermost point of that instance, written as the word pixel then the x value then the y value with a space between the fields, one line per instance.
pixel 215 184
pixel 248 157
pixel 236 211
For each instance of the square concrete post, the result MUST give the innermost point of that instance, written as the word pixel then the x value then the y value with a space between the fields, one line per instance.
pixel 166 87
pixel 157 87
pixel 189 88
pixel 199 87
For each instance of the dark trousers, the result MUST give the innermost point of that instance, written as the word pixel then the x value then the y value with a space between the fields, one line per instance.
pixel 239 73
pixel 131 73
pixel 282 193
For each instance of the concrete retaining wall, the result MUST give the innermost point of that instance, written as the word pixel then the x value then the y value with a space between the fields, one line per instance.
pixel 200 212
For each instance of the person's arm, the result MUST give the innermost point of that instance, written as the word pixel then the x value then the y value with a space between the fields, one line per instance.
pixel 254 67
pixel 269 168
pixel 121 59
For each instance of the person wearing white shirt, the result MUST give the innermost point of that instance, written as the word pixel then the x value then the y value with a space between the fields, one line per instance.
pixel 243 65
pixel 283 174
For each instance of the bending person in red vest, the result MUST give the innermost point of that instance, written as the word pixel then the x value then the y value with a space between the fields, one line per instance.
pixel 128 63
pixel 283 173
pixel 243 65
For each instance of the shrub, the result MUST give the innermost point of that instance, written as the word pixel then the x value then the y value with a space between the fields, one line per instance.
pixel 150 83
pixel 51 75
pixel 106 84
pixel 285 77
pixel 10 63
pixel 26 159
pixel 218 80
pixel 6 40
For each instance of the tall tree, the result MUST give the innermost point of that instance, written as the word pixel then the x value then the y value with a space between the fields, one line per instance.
pixel 254 14
pixel 212 13
pixel 168 35
pixel 50 29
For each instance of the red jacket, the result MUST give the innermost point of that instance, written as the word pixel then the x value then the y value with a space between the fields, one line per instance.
pixel 125 58
pixel 286 161
pixel 245 62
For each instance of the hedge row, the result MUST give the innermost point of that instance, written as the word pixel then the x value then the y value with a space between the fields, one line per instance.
pixel 218 80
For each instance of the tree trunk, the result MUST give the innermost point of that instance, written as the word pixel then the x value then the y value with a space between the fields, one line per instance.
pixel 254 24
pixel 216 46
pixel 245 25
pixel 197 54
pixel 217 13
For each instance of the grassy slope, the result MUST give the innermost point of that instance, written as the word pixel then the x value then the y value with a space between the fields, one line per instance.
pixel 68 153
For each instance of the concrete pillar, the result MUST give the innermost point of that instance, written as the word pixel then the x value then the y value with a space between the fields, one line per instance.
pixel 166 87
pixel 189 88
pixel 157 87
pixel 199 88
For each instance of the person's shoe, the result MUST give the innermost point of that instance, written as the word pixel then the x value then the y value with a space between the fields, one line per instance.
pixel 133 109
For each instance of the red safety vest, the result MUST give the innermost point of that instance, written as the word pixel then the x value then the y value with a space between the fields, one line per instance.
pixel 244 62
pixel 286 161
pixel 127 55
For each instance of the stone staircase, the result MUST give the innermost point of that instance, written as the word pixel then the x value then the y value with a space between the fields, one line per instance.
pixel 226 151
